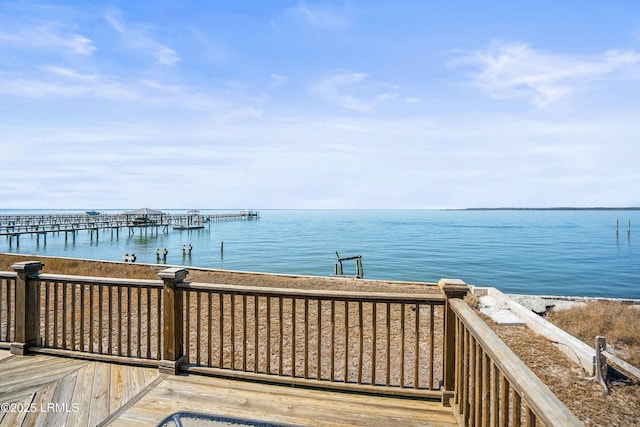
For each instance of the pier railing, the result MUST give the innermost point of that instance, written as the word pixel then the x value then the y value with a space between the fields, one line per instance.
pixel 428 345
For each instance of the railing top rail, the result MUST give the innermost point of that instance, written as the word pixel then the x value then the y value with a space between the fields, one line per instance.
pixel 435 298
pixel 8 274
pixel 533 391
pixel 95 280
pixel 325 294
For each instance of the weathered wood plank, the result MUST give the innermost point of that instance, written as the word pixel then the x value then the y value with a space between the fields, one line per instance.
pixel 279 404
pixel 58 410
pixel 100 398
pixel 82 396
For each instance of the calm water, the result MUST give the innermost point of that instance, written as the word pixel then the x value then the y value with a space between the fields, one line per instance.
pixel 534 252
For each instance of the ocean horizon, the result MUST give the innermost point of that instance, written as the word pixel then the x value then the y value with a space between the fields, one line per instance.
pixel 552 251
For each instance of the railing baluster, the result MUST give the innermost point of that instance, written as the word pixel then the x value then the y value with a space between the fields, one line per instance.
pixel 256 307
pixel 402 332
pixel 495 396
pixel 431 344
pixel 233 331
pixel 530 419
pixel 346 341
pixel 82 314
pixel 486 389
pixel 209 326
pixel 100 333
pixel 55 334
pixel 64 316
pixel 148 324
pixel 281 335
pixel 187 327
pixel 244 333
pixel 139 320
pixel 319 341
pixel 91 317
pixel 47 312
pixel 472 380
pixel 128 321
pixel 374 340
pixel 333 342
pixel 360 341
pixel 306 338
pixel 119 321
pixel 479 384
pixel 268 370
pixel 416 363
pixel 159 324
pixel 72 288
pixel 516 408
pixel 388 361
pixel 221 331
pixel 198 325
pixel 466 355
pixel 504 401
pixel 293 337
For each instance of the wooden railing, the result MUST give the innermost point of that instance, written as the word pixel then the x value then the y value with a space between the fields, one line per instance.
pixel 335 339
pixel 492 385
pixel 383 342
pixel 389 343
pixel 101 316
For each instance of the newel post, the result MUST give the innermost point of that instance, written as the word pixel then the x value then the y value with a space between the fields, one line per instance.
pixel 27 310
pixel 172 308
pixel 452 288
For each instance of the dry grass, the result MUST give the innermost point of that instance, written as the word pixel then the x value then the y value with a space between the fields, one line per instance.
pixel 583 396
pixel 579 392
pixel 617 322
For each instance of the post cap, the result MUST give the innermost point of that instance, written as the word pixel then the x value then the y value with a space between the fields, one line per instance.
pixel 175 273
pixel 453 288
pixel 28 267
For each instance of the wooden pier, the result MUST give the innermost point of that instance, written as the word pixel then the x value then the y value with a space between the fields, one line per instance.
pixel 14 226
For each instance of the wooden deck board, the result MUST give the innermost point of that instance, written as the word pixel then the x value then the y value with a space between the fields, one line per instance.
pixel 66 391
pixel 4 354
pixel 88 393
pixel 279 404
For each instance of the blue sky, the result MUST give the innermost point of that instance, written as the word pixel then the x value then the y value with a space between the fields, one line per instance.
pixel 336 104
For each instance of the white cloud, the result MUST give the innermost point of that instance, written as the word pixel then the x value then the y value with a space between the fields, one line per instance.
pixel 137 37
pixel 516 70
pixel 277 80
pixel 317 16
pixel 49 36
pixel 353 91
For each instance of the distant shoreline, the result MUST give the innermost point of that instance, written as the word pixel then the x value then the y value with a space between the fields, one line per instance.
pixel 549 209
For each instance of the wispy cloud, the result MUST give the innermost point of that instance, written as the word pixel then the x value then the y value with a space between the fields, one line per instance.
pixel 353 91
pixel 516 70
pixel 49 36
pixel 277 80
pixel 138 37
pixel 321 16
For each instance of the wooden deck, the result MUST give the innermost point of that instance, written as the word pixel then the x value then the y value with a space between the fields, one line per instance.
pixel 64 391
